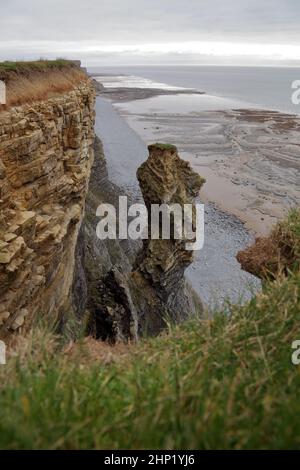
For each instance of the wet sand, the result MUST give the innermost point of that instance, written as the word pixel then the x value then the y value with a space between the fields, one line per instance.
pixel 250 158
pixel 131 94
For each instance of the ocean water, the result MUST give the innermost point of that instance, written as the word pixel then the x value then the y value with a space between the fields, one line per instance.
pixel 261 87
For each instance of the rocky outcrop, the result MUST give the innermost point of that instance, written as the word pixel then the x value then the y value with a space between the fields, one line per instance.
pixel 46 152
pixel 136 289
pixel 166 179
pixel 159 269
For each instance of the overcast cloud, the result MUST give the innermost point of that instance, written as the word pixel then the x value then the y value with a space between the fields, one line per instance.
pixel 152 31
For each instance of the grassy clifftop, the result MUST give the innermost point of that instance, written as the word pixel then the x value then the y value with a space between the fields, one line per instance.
pixel 226 382
pixel 29 66
pixel 27 82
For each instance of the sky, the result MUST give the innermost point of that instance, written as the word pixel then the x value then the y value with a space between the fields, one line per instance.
pixel 139 32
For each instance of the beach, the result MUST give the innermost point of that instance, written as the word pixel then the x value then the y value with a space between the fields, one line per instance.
pixel 248 156
pixel 251 166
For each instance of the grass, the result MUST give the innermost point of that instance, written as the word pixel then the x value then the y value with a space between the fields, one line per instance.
pixel 28 82
pixel 287 234
pixel 221 383
pixel 278 252
pixel 160 146
pixel 37 65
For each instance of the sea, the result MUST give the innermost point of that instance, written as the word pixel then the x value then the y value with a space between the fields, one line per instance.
pixel 255 87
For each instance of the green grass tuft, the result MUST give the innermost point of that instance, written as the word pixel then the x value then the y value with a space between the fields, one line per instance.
pixel 287 233
pixel 38 65
pixel 161 146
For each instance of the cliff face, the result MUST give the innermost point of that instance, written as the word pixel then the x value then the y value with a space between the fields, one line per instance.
pixel 46 152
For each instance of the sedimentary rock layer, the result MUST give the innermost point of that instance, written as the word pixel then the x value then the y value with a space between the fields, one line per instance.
pixel 46 152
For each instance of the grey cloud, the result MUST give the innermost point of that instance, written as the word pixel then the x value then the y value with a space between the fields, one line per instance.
pixel 145 21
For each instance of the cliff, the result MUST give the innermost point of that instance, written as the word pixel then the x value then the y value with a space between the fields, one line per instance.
pixel 46 152
pixel 51 261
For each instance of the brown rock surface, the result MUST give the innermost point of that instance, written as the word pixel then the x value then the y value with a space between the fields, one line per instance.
pixel 166 179
pixel 46 152
pixel 159 269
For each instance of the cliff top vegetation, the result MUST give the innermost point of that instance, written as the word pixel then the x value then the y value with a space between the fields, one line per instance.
pixel 27 82
pixel 37 65
pixel 161 146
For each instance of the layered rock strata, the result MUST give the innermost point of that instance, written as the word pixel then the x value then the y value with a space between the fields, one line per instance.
pixel 46 153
